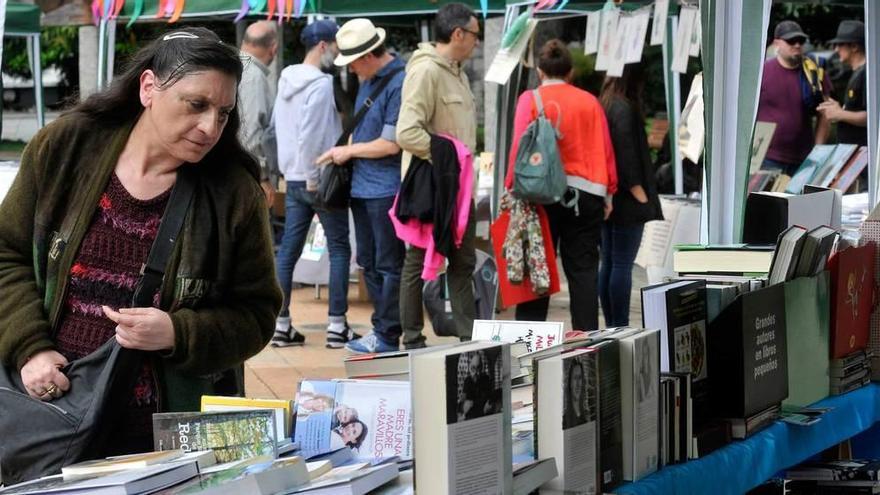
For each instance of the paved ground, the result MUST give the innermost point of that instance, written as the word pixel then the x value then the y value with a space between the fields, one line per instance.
pixel 275 372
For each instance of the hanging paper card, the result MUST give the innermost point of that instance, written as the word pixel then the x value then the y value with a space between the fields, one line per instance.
pixel 692 130
pixel 696 36
pixel 607 35
pixel 591 38
pixel 686 19
pixel 619 46
pixel 658 30
pixel 636 39
pixel 508 58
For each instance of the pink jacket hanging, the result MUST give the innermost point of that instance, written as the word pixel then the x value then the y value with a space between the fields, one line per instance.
pixel 420 234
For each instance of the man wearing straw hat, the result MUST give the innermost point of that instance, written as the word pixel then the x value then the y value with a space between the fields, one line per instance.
pixel 376 177
pixel 437 99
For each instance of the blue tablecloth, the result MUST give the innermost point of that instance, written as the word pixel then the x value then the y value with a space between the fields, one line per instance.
pixel 745 464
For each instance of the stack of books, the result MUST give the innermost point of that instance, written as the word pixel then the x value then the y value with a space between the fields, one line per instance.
pixel 838 477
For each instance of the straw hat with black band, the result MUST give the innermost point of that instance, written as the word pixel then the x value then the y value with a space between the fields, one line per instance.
pixel 355 39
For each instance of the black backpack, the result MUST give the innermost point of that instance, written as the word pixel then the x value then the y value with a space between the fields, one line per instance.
pixel 485 280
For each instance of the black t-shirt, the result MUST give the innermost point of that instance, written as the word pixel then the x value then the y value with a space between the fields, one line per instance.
pixel 854 101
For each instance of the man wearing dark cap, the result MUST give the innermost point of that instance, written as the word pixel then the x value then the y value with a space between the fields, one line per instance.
pixel 852 117
pixel 792 87
pixel 306 123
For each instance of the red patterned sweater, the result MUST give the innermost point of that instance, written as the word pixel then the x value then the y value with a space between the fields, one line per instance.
pixel 105 272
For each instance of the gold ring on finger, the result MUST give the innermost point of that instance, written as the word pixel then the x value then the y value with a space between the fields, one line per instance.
pixel 52 389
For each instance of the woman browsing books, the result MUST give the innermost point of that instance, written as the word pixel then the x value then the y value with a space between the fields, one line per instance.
pixel 636 201
pixel 80 219
pixel 588 162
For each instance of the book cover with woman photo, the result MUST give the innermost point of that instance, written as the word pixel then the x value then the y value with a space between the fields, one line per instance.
pixel 371 417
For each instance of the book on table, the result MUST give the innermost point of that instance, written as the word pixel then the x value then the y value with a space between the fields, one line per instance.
pixel 536 334
pixel 741 428
pixel 370 417
pixel 129 482
pixel 811 164
pixel 767 214
pixel 819 245
pixel 747 345
pixel 113 464
pixel 232 435
pixel 852 296
pixel 610 426
pixel 851 170
pixel 258 478
pixel 529 476
pixel 567 417
pixel 829 171
pixel 355 479
pixel 283 410
pixel 807 322
pixel 785 257
pixel 462 419
pixel 679 310
pixel 733 258
pixel 640 402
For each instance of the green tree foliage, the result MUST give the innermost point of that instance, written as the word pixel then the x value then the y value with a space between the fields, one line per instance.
pixel 59 48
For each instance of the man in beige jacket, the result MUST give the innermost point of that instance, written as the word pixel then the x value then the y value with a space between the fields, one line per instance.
pixel 436 98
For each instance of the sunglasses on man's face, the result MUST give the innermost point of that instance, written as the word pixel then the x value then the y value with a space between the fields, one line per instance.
pixel 796 41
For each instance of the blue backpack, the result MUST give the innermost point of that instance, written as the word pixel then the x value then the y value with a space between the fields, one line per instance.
pixel 538 175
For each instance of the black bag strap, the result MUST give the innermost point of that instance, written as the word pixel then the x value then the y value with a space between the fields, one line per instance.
pixel 153 271
pixel 380 86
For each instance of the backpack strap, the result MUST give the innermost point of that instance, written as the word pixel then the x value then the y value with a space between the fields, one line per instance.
pixel 539 105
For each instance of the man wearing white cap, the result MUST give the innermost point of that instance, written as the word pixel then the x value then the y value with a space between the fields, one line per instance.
pixel 437 99
pixel 376 178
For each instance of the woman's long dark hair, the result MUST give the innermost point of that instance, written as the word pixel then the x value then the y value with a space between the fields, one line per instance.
pixel 628 87
pixel 172 56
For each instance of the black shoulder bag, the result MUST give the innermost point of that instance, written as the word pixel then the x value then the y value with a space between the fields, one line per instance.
pixel 38 438
pixel 334 184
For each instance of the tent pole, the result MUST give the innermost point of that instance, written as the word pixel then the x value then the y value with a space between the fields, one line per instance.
pixel 872 51
pixel 503 118
pixel 424 31
pixel 102 54
pixel 33 42
pixel 110 50
pixel 673 103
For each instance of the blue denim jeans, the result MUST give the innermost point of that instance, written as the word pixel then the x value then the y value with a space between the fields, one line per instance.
pixel 380 253
pixel 620 244
pixel 299 210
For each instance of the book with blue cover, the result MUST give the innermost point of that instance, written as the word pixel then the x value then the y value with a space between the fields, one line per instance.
pixel 370 417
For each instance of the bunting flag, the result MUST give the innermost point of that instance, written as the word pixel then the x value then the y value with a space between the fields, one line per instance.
pixel 543 4
pixel 245 8
pixel 484 7
pixel 297 8
pixel 117 7
pixel 138 10
pixel 271 9
pixel 178 11
pixel 561 5
pixel 97 8
pixel 170 5
pixel 258 6
pixel 160 9
pixel 288 9
pixel 515 30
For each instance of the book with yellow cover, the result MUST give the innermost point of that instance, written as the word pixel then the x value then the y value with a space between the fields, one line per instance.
pixel 283 409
